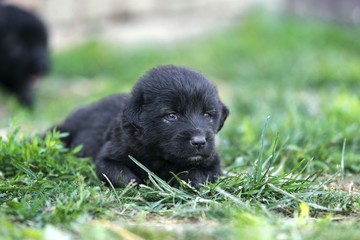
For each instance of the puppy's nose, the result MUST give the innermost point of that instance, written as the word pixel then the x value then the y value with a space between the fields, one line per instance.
pixel 198 141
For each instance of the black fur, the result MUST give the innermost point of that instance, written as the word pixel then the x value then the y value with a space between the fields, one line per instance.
pixel 23 52
pixel 168 123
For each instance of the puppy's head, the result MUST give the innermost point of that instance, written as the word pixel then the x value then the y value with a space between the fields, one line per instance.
pixel 23 51
pixel 175 113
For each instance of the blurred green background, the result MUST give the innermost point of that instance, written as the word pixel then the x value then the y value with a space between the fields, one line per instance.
pixel 302 73
pixel 296 79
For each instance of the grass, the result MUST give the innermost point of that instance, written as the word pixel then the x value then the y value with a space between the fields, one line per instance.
pixel 290 146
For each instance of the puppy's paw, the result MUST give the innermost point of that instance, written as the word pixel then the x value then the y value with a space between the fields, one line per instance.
pixel 120 176
pixel 196 177
pixel 127 176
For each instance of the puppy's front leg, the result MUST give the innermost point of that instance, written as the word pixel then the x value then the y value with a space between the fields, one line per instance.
pixel 198 175
pixel 115 171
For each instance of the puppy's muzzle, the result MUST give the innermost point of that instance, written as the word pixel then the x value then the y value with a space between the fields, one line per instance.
pixel 198 141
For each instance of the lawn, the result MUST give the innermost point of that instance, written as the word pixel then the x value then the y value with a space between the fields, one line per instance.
pixel 290 148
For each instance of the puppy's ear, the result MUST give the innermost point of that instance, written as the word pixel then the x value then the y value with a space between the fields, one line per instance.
pixel 224 114
pixel 133 109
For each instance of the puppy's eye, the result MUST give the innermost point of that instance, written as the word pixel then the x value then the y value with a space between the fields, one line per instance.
pixel 171 117
pixel 209 114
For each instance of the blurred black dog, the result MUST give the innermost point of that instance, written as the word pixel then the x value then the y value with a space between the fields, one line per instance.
pixel 23 52
pixel 168 123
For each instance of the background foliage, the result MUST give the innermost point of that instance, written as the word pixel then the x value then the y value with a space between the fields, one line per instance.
pixel 290 146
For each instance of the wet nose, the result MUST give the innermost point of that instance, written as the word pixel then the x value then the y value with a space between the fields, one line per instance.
pixel 198 141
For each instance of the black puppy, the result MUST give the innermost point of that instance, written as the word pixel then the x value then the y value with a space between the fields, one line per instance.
pixel 23 52
pixel 168 123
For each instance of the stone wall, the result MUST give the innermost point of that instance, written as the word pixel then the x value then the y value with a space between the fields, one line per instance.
pixel 133 21
pixel 343 11
pixel 65 11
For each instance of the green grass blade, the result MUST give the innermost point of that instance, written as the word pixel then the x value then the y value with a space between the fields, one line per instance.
pixel 20 166
pixel 342 166
pixel 259 166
